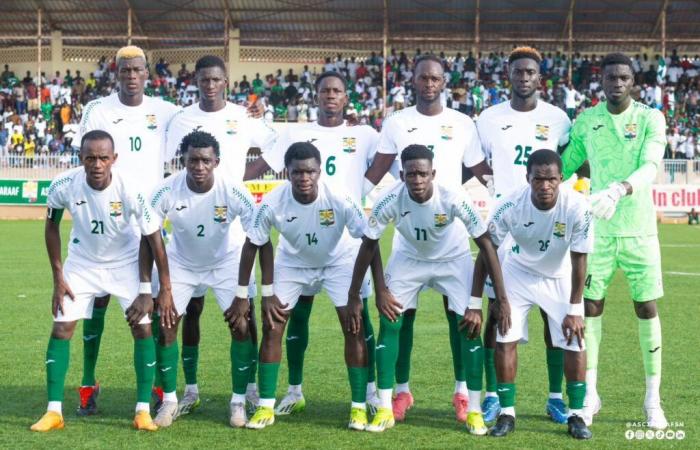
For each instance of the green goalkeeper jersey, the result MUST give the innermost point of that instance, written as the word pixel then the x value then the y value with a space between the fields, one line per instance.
pixel 617 145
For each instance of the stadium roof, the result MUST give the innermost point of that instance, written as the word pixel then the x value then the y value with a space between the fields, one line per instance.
pixel 354 23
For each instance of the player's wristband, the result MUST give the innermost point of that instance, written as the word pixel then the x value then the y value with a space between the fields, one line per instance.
pixel 242 291
pixel 576 309
pixel 144 287
pixel 367 187
pixel 475 303
pixel 266 290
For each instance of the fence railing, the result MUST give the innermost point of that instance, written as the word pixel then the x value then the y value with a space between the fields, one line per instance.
pixel 46 166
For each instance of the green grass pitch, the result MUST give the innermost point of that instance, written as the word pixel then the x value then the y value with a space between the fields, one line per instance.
pixel 25 283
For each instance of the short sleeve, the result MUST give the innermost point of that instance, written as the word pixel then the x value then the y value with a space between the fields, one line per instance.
pixel 482 130
pixel 243 205
pixel 274 155
pixel 159 201
pixel 259 231
pixel 566 130
pixel 472 147
pixel 145 217
pixel 173 136
pixel 464 211
pixel 264 136
pixel 381 214
pixel 354 218
pixel 582 232
pixel 498 222
pixel 386 141
pixel 56 196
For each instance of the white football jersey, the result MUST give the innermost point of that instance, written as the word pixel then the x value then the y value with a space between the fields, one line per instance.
pixel 451 136
pixel 232 128
pixel 508 137
pixel 543 239
pixel 201 236
pixel 426 230
pixel 311 235
pixel 138 133
pixel 346 153
pixel 101 232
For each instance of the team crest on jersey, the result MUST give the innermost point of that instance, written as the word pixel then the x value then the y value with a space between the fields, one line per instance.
pixel 440 220
pixel 115 209
pixel 630 131
pixel 541 132
pixel 231 126
pixel 559 229
pixel 446 132
pixel 326 217
pixel 151 121
pixel 220 213
pixel 349 144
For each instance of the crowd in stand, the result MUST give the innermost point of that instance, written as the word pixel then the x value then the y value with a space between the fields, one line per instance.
pixel 40 116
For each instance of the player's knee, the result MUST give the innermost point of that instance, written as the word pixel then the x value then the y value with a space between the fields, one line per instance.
pixel 593 308
pixel 63 330
pixel 141 331
pixel 167 336
pixel 645 310
pixel 195 308
pixel 240 335
pixel 101 302
pixel 388 326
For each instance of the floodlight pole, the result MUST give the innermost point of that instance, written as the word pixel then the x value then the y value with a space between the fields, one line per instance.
pixel 477 36
pixel 38 47
pixel 571 38
pixel 385 38
pixel 128 27
pixel 663 33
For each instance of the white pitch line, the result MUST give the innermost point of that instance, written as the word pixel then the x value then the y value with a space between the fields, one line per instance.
pixel 686 274
pixel 681 245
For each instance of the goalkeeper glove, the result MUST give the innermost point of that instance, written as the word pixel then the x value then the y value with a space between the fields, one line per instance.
pixel 603 203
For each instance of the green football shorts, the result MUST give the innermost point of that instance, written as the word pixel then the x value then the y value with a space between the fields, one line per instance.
pixel 639 258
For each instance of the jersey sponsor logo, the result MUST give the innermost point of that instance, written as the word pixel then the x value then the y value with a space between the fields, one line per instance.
pixel 231 126
pixel 198 127
pixel 349 144
pixel 654 351
pixel 526 225
pixel 411 130
pixel 326 217
pixel 440 220
pixel 79 203
pixel 117 121
pixel 151 121
pixel 506 127
pixel 180 208
pixel 220 213
pixel 559 229
pixel 541 132
pixel 630 131
pixel 446 132
pixel 291 219
pixel 115 209
pixel 598 127
pixel 312 140
pixel 405 213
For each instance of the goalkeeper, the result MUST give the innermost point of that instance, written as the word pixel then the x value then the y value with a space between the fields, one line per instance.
pixel 624 142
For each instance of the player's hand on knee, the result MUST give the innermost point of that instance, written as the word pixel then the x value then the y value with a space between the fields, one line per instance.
pixel 388 305
pixel 273 311
pixel 353 318
pixel 471 322
pixel 237 315
pixel 142 306
pixel 501 310
pixel 60 291
pixel 166 309
pixel 573 326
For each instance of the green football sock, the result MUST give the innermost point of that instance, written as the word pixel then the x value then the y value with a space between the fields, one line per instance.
pixel 267 379
pixel 650 343
pixel 458 366
pixel 57 357
pixel 403 361
pixel 358 383
pixel 253 362
pixel 506 394
pixel 167 366
pixel 576 391
pixel 240 365
pixel 145 365
pixel 190 357
pixel 490 369
pixel 155 332
pixel 555 369
pixel 297 340
pixel 92 335
pixel 387 351
pixel 472 356
pixel 593 336
pixel 371 342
